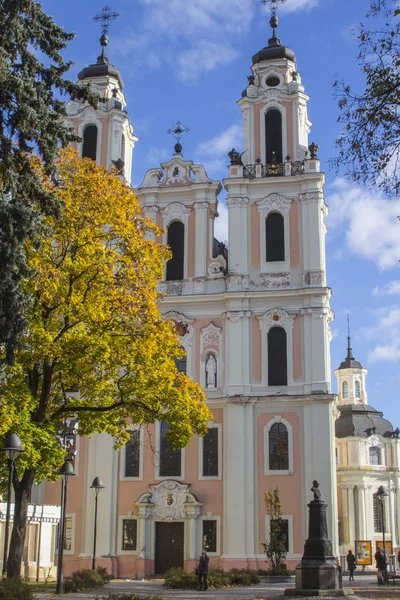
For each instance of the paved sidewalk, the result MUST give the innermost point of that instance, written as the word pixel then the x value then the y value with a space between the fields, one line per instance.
pixel 156 588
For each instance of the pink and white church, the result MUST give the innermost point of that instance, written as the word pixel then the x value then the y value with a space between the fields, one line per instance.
pixel 254 320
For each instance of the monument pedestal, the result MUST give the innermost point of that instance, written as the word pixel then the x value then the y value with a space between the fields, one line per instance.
pixel 318 574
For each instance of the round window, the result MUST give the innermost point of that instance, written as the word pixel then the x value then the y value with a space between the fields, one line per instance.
pixel 272 81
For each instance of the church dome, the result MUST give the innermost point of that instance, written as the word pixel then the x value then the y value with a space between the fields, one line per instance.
pixel 274 49
pixel 101 69
pixel 361 420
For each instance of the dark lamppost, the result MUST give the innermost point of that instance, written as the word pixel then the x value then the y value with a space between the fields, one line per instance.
pixel 97 485
pixel 66 471
pixel 381 494
pixel 12 449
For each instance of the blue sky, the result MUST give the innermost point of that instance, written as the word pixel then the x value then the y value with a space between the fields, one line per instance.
pixel 188 60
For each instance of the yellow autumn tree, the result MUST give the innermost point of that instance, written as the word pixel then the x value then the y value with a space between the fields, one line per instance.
pixel 94 328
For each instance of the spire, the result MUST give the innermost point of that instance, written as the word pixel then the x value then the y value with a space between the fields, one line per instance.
pixel 349 349
pixel 274 49
pixel 274 21
pixel 105 17
pixel 102 68
pixel 350 362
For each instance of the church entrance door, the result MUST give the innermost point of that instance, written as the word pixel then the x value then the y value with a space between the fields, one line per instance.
pixel 169 546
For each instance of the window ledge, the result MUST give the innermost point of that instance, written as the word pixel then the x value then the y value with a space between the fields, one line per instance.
pixel 269 472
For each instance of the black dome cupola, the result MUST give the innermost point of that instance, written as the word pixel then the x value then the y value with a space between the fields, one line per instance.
pixel 274 49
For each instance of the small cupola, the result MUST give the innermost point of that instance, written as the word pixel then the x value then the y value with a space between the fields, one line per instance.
pixel 351 377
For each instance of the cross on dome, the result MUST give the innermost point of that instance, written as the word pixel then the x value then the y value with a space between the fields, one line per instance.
pixel 178 130
pixel 105 18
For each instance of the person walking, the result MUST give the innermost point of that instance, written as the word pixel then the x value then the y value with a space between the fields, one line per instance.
pixel 351 564
pixel 398 558
pixel 381 565
pixel 202 571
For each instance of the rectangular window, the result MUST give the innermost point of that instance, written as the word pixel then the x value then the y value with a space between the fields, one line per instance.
pixel 210 536
pixel 210 453
pixel 378 524
pixel 129 534
pixel 282 528
pixel 68 534
pixel 132 455
pixel 170 459
pixel 181 364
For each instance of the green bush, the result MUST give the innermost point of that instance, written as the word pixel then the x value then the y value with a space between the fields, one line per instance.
pixel 179 579
pixel 105 575
pixel 15 589
pixel 243 577
pixel 275 572
pixel 85 579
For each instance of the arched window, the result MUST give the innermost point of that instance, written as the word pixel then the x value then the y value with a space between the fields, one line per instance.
pixel 176 241
pixel 375 456
pixel 170 459
pixel 345 389
pixel 357 389
pixel 378 521
pixel 277 356
pixel 274 237
pixel 122 147
pixel 278 448
pixel 181 364
pixel 273 137
pixel 89 149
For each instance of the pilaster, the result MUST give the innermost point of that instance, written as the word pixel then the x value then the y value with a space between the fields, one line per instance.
pixel 238 232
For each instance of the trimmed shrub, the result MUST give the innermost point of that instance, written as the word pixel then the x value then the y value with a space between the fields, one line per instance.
pixel 276 572
pixel 243 577
pixel 105 575
pixel 114 596
pixel 15 589
pixel 85 579
pixel 179 579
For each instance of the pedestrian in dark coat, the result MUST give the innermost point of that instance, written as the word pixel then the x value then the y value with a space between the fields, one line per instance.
pixel 381 565
pixel 202 571
pixel 351 564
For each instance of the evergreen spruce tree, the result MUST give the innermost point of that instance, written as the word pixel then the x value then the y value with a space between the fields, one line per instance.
pixel 32 107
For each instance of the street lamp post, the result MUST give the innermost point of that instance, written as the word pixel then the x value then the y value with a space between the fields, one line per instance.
pixel 381 494
pixel 66 471
pixel 97 485
pixel 12 449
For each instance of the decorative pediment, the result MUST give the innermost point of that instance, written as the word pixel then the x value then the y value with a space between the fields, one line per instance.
pixel 169 500
pixel 175 211
pixel 276 317
pixel 180 319
pixel 210 337
pixel 177 172
pixel 274 203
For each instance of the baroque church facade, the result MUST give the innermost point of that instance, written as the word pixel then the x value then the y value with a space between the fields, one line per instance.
pixel 254 320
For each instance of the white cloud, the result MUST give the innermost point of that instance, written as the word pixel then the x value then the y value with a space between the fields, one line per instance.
pixel 369 223
pixel 155 156
pixel 296 5
pixel 204 57
pixel 195 37
pixel 389 289
pixel 384 354
pixel 385 334
pixel 223 142
pixel 221 223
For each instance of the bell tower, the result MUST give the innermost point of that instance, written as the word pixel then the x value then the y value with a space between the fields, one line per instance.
pixel 107 133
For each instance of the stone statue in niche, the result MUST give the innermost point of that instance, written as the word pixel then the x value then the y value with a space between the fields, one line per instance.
pixel 211 372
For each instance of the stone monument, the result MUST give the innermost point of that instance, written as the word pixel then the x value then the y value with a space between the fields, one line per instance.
pixel 318 574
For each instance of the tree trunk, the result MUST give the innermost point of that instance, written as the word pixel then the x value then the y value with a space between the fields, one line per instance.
pixel 22 491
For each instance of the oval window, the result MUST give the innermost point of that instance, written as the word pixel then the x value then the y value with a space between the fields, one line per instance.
pixel 272 81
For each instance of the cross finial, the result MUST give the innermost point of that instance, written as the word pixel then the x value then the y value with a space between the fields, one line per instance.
pixel 178 130
pixel 105 18
pixel 274 21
